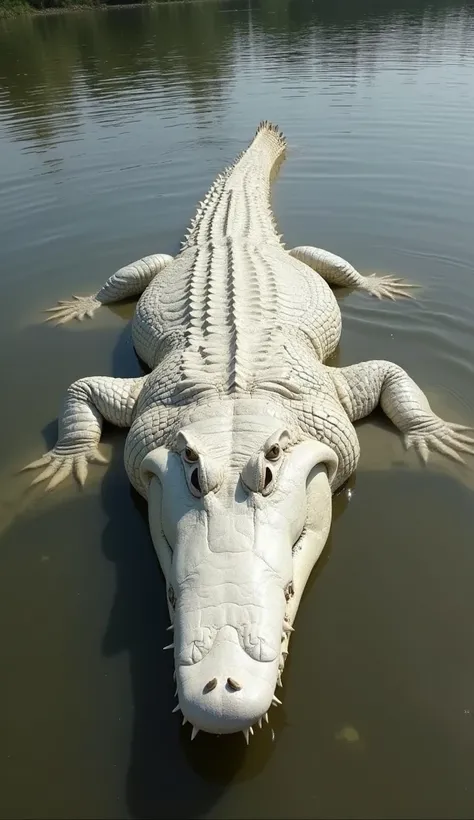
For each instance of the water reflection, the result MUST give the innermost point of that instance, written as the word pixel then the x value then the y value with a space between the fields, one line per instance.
pixel 55 70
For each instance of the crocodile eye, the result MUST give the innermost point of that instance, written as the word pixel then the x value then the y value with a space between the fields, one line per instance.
pixel 273 454
pixel 191 455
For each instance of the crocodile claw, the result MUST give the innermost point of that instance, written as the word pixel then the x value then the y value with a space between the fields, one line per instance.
pixel 79 307
pixel 389 287
pixel 59 466
pixel 447 438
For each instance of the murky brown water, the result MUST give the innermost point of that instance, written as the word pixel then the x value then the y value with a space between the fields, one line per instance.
pixel 112 126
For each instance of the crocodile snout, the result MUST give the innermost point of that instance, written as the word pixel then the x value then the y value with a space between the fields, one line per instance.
pixel 228 690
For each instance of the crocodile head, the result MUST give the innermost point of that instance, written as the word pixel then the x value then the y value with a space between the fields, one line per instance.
pixel 238 515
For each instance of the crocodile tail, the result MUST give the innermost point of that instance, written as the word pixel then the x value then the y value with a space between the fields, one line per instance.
pixel 269 144
pixel 264 155
pixel 267 128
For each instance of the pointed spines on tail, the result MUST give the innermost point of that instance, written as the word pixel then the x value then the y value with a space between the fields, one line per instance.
pixel 269 143
pixel 274 130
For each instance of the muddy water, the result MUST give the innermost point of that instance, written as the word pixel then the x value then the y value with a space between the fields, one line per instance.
pixel 112 125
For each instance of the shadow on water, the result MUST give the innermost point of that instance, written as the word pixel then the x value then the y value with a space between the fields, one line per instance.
pixel 166 776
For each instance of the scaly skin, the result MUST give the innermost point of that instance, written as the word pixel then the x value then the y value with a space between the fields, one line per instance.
pixel 239 434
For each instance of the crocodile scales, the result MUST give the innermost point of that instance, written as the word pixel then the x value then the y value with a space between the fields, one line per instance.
pixel 239 434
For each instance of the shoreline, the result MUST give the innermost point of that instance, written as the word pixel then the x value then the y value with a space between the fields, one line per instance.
pixel 10 11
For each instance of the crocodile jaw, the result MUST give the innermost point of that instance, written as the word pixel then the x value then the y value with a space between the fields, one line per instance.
pixel 229 691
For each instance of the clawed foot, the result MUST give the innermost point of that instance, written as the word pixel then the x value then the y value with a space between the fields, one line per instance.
pixel 388 287
pixel 77 308
pixel 59 465
pixel 445 437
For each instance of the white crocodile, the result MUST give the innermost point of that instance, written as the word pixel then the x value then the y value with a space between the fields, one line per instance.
pixel 239 435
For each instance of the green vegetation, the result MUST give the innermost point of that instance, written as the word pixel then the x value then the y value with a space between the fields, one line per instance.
pixel 10 8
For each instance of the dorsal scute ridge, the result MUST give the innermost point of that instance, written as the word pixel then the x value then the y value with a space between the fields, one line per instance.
pixel 264 127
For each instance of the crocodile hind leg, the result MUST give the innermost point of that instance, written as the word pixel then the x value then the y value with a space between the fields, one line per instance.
pixel 88 402
pixel 363 386
pixel 129 281
pixel 337 271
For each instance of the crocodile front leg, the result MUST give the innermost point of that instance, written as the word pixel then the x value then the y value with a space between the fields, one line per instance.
pixel 363 386
pixel 129 281
pixel 336 271
pixel 87 403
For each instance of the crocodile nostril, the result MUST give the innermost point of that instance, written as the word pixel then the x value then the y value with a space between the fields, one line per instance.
pixel 233 684
pixel 210 685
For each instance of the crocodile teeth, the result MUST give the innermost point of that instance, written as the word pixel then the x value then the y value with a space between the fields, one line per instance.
pixel 170 646
pixel 194 733
pixel 176 709
pixel 246 735
pixel 276 701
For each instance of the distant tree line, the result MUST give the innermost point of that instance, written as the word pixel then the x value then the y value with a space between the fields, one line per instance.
pixel 340 9
pixel 12 7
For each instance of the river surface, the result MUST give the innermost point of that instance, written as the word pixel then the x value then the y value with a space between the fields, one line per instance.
pixel 112 126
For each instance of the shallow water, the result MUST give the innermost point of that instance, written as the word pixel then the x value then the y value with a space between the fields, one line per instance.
pixel 112 126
